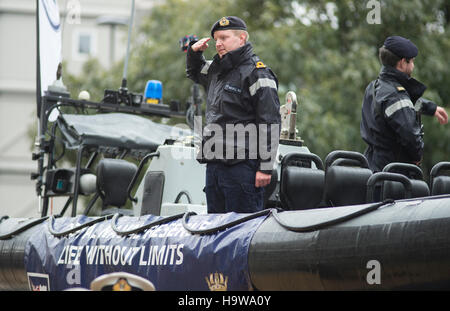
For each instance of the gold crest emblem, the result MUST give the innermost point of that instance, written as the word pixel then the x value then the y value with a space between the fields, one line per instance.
pixel 224 22
pixel 260 65
pixel 216 282
pixel 121 286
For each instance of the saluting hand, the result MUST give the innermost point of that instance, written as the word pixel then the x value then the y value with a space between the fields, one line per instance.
pixel 200 45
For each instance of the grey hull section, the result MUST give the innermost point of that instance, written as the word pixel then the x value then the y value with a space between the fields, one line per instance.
pixel 405 245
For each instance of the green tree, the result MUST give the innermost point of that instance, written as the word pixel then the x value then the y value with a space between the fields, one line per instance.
pixel 325 51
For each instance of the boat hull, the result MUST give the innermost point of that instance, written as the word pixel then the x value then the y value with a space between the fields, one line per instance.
pixel 405 245
pixel 399 245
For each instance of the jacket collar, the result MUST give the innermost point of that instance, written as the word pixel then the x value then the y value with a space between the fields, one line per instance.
pixel 234 58
pixel 414 88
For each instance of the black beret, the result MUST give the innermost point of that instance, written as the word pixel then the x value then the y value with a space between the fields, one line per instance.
pixel 401 47
pixel 228 22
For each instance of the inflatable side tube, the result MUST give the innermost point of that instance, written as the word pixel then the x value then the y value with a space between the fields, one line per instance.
pixel 405 245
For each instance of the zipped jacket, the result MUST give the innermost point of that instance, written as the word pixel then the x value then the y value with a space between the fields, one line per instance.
pixel 242 103
pixel 390 125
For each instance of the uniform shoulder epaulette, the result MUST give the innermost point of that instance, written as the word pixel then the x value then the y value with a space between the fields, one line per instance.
pixel 257 62
pixel 260 64
pixel 400 88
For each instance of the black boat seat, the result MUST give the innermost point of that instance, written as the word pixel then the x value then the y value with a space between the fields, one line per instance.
pixel 379 177
pixel 301 185
pixel 439 182
pixel 346 175
pixel 153 192
pixel 113 178
pixel 395 190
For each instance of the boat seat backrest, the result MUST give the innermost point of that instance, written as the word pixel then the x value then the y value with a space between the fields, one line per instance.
pixel 152 193
pixel 346 176
pixel 439 181
pixel 441 185
pixel 346 185
pixel 302 188
pixel 395 190
pixel 113 179
pixel 301 184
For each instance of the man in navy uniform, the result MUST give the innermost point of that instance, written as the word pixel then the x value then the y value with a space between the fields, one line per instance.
pixel 242 99
pixel 392 103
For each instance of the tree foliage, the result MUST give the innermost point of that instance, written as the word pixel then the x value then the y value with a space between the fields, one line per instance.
pixel 327 52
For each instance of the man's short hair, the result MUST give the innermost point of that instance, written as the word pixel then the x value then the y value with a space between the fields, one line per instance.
pixel 238 32
pixel 387 58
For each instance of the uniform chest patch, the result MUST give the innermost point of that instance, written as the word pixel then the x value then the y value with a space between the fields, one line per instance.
pixel 232 89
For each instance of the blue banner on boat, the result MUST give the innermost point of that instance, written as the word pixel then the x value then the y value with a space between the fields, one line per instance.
pixel 167 255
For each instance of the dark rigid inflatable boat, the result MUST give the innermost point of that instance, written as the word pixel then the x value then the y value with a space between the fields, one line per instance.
pixel 402 244
pixel 329 234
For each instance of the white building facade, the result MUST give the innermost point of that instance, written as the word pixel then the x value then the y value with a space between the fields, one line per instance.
pixel 90 28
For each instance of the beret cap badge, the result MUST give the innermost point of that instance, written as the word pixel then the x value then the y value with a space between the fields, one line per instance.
pixel 224 22
pixel 228 22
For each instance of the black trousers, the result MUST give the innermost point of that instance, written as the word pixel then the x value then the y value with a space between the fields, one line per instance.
pixel 231 188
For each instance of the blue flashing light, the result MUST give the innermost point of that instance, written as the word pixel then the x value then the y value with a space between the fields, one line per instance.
pixel 153 92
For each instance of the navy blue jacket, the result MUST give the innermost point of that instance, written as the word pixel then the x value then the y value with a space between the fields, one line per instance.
pixel 389 123
pixel 241 92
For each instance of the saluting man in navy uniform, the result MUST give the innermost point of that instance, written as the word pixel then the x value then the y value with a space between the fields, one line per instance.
pixel 242 118
pixel 389 123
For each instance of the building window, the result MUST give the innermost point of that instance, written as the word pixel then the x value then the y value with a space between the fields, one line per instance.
pixel 84 44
